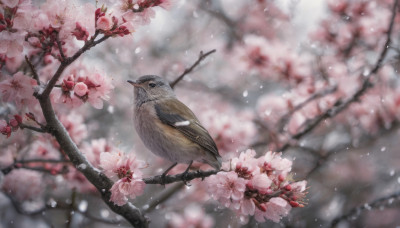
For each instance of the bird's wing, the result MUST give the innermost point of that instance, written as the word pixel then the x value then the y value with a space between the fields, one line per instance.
pixel 179 116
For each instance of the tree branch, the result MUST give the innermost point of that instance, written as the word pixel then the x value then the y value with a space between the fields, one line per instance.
pixel 60 47
pixel 164 195
pixel 190 69
pixel 387 200
pixel 342 104
pixel 179 177
pixel 97 178
pixel 67 61
pixel 32 67
pixel 314 96
pixel 37 129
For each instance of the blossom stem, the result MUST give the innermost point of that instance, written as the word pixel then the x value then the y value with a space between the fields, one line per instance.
pixel 202 56
pixel 67 61
pixel 32 67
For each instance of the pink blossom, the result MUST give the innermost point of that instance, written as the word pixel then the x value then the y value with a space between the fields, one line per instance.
pixel 273 163
pixel 11 44
pixel 104 23
pixel 23 184
pixel 80 33
pixel 124 188
pixel 226 187
pixel 296 122
pixel 338 6
pixel 11 3
pixel 261 182
pixel 127 169
pixel 110 162
pixel 99 88
pixel 80 89
pixel 257 186
pixel 192 216
pixel 75 126
pixel 5 129
pixel 65 14
pixel 230 132
pixel 247 206
pixel 276 208
pixel 93 150
pixel 272 107
pixel 65 94
pixel 76 180
pixel 18 89
pixel 245 165
pixel 131 188
pixel 42 148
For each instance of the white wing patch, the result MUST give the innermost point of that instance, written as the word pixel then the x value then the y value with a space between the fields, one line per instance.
pixel 182 123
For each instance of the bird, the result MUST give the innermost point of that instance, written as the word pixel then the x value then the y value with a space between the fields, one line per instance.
pixel 168 128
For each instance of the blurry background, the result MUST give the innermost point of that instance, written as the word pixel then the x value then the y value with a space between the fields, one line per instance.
pixel 278 67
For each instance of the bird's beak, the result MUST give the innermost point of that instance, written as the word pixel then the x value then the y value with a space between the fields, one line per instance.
pixel 135 84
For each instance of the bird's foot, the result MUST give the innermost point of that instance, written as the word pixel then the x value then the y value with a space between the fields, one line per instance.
pixel 163 176
pixel 185 174
pixel 185 178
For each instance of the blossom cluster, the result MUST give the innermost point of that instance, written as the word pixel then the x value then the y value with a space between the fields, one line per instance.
pixel 23 184
pixel 272 60
pixel 230 132
pixel 84 86
pixel 12 125
pixel 126 169
pixel 262 186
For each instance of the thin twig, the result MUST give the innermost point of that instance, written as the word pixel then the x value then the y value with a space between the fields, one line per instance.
pixel 60 47
pixel 34 72
pixel 190 69
pixel 164 195
pixel 386 200
pixel 37 129
pixel 285 118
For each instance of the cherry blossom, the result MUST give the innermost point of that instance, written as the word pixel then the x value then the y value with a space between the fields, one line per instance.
pixel 254 184
pixel 19 89
pixel 23 184
pixel 127 169
pixel 192 216
pixel 75 127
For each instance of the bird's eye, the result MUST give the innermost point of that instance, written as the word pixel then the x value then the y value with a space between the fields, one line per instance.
pixel 152 85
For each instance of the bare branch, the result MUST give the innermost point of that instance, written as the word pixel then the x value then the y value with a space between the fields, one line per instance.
pixel 190 69
pixel 37 129
pixel 60 47
pixel 313 97
pixel 34 72
pixel 164 195
pixel 355 212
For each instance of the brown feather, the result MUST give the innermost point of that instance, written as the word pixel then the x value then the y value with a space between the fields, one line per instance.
pixel 177 112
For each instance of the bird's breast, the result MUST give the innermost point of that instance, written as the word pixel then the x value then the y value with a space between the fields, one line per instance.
pixel 161 139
